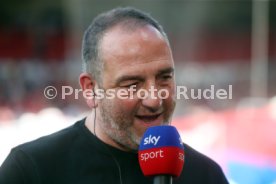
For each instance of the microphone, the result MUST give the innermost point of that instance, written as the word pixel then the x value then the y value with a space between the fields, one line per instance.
pixel 161 153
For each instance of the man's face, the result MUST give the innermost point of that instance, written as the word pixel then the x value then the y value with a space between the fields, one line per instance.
pixel 139 59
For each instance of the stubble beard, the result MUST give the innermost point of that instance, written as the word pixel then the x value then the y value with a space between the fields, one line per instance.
pixel 118 127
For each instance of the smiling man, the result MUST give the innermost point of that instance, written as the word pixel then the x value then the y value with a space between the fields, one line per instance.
pixel 123 49
pixel 133 53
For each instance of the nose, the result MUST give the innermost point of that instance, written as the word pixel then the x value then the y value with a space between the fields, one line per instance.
pixel 152 101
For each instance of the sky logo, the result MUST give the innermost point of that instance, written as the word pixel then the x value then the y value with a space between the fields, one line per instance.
pixel 151 140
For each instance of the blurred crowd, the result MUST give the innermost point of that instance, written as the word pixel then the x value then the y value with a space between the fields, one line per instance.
pixel 22 85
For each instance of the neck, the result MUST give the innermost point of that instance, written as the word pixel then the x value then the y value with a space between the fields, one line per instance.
pixel 93 125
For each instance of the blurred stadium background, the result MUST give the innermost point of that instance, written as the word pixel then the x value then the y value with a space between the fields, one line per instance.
pixel 221 43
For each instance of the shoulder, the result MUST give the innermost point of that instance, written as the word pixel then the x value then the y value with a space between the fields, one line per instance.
pixel 51 143
pixel 199 168
pixel 27 162
pixel 196 158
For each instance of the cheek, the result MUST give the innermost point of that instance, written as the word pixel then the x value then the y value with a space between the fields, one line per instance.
pixel 127 105
pixel 171 92
pixel 121 107
pixel 169 103
pixel 171 100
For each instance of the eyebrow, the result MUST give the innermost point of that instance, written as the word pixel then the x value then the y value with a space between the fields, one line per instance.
pixel 166 70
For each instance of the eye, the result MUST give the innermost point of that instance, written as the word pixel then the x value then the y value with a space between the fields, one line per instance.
pixel 166 77
pixel 131 85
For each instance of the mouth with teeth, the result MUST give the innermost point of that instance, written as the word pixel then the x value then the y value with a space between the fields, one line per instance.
pixel 148 119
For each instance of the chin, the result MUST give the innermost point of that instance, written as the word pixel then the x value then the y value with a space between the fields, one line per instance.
pixel 132 147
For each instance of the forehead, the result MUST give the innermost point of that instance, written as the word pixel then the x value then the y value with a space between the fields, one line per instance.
pixel 122 49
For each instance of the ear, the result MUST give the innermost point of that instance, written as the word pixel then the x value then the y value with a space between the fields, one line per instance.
pixel 88 83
